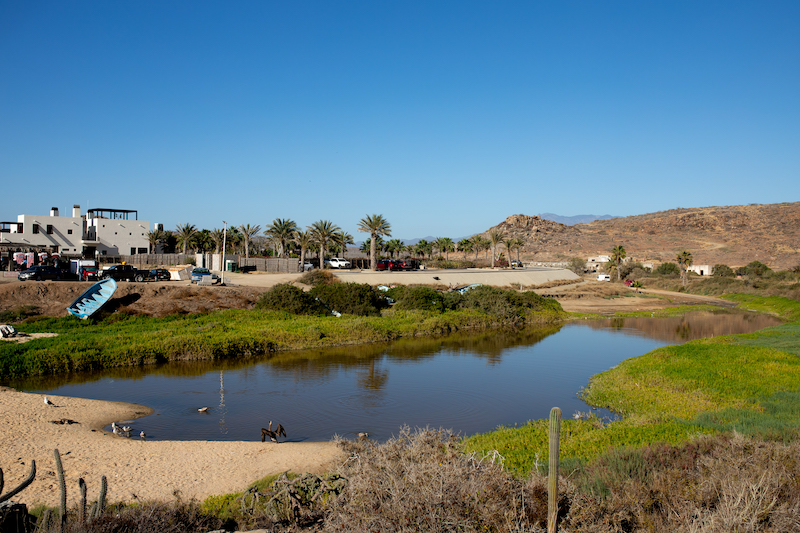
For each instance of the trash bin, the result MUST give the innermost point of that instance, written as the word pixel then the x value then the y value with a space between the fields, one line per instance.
pixel 231 266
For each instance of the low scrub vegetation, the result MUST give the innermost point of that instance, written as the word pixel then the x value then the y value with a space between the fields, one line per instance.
pixel 424 480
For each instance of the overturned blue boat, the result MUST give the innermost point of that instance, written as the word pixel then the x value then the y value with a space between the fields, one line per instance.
pixel 93 299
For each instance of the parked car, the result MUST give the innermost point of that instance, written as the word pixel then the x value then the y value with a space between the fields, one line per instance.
pixel 160 274
pixel 198 273
pixel 305 267
pixel 88 273
pixel 516 264
pixel 387 264
pixel 40 272
pixel 603 277
pixel 124 272
pixel 629 282
pixel 408 264
pixel 335 262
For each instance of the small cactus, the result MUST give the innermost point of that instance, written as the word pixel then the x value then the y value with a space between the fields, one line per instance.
pixel 552 474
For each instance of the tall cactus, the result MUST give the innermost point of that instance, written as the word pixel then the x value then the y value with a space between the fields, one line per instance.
pixel 101 499
pixel 63 484
pixel 82 507
pixel 552 474
pixel 21 486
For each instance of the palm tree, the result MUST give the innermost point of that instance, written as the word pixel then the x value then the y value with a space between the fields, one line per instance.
pixel 218 236
pixel 511 243
pixel 156 237
pixel 445 245
pixel 303 240
pixel 342 239
pixel 282 231
pixel 394 246
pixel 518 245
pixel 376 226
pixel 323 231
pixel 185 233
pixel 465 245
pixel 617 255
pixel 684 260
pixel 495 237
pixel 422 247
pixel 248 232
pixel 477 244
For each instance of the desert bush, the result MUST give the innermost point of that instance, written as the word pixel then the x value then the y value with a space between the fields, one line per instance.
pixel 667 269
pixel 754 268
pixel 287 297
pixel 626 269
pixel 723 271
pixel 318 277
pixel 351 298
pixel 577 265
pixel 418 297
pixel 420 481
pixel 508 306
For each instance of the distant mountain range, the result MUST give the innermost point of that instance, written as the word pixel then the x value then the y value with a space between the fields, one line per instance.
pixel 577 219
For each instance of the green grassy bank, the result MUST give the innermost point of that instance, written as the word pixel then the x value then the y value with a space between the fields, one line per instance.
pixel 120 340
pixel 747 383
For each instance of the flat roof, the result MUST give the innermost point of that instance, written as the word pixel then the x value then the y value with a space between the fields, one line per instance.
pixel 108 212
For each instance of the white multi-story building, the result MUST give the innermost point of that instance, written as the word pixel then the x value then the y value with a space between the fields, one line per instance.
pixel 101 231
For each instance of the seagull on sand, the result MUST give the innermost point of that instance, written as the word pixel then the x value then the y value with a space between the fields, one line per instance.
pixel 48 402
pixel 203 409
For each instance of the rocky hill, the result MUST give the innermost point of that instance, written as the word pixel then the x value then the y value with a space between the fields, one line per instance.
pixel 731 235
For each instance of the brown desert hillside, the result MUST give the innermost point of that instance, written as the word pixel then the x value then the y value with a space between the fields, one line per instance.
pixel 731 235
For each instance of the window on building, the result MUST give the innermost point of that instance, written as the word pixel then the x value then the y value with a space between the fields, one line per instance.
pixel 141 250
pixel 49 229
pixel 133 251
pixel 69 232
pixel 35 228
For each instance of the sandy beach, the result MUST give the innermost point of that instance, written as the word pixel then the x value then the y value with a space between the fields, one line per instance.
pixel 135 469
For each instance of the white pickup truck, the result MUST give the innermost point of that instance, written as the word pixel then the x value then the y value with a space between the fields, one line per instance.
pixel 335 262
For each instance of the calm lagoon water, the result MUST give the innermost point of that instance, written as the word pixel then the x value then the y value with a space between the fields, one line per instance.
pixel 469 384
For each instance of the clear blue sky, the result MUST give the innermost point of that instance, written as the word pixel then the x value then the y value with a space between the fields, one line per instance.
pixel 444 116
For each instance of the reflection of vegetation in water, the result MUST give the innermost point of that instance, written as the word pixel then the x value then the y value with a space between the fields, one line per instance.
pixel 692 325
pixel 314 364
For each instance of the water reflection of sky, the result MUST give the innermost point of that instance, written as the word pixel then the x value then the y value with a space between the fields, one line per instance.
pixel 468 384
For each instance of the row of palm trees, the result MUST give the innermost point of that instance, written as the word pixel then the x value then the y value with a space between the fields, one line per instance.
pixel 284 236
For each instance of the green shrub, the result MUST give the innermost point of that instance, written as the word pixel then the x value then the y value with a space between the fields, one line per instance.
pixel 419 298
pixel 287 297
pixel 668 269
pixel 444 264
pixel 754 268
pixel 507 305
pixel 577 265
pixel 351 298
pixel 723 271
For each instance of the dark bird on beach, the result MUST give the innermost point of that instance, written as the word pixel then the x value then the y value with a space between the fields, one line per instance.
pixel 273 435
pixel 436 278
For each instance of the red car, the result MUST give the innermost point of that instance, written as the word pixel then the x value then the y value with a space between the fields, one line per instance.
pixel 629 283
pixel 387 264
